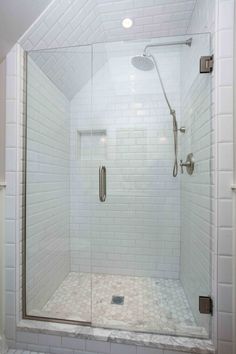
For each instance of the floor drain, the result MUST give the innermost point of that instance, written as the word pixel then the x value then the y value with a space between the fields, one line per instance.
pixel 117 300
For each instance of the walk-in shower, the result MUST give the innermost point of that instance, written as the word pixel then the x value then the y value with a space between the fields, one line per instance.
pixel 147 62
pixel 111 239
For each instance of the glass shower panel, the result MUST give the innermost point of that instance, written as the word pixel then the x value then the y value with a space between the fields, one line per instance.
pixel 196 197
pixel 58 163
pixel 138 229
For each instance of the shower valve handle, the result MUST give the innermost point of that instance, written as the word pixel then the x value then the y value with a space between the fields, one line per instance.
pixel 189 164
pixel 184 164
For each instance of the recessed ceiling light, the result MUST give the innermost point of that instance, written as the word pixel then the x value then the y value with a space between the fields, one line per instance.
pixel 127 23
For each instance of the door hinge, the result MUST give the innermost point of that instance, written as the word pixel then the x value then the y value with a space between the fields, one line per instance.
pixel 206 64
pixel 205 305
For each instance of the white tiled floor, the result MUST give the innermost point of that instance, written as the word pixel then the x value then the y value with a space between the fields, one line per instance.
pixel 150 304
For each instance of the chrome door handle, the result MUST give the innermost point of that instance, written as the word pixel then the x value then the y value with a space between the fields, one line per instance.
pixel 102 184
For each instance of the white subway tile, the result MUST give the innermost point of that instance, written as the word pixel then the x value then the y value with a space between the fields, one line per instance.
pixel 224 184
pixel 10 211
pixel 10 303
pixel 225 100
pixel 226 128
pixel 11 88
pixel 11 64
pixel 225 214
pixel 225 43
pixel 225 347
pixel 11 159
pixel 58 350
pixel 33 348
pixel 225 67
pixel 10 255
pixel 27 337
pixel 225 298
pixel 49 340
pixel 225 242
pixel 98 346
pixel 225 269
pixel 11 135
pixel 10 279
pixel 225 156
pixel 225 326
pixel 122 348
pixel 10 327
pixel 10 231
pixel 226 11
pixel 73 343
pixel 146 350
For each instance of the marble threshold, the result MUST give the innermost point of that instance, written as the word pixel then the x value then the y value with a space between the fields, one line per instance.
pixel 149 340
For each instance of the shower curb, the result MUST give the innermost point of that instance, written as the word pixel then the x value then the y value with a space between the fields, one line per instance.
pixel 159 341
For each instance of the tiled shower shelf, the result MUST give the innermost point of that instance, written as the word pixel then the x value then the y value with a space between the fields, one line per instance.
pixel 189 345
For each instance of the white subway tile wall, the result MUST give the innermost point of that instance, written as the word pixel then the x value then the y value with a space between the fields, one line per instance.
pixel 13 118
pixel 136 231
pixel 61 67
pixel 224 170
pixel 220 24
pixel 113 349
pixel 47 212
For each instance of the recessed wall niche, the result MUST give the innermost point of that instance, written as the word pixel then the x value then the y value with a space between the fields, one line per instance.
pixel 91 144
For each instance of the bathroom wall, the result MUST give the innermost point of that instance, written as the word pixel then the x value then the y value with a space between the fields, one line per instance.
pixel 47 211
pixel 196 190
pixel 2 197
pixel 2 277
pixel 220 24
pixel 225 151
pixel 136 231
pixel 2 119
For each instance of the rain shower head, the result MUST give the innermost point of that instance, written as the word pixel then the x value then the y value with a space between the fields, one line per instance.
pixel 142 62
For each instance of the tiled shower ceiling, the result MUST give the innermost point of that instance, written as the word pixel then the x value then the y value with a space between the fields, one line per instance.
pixel 73 22
pixel 68 68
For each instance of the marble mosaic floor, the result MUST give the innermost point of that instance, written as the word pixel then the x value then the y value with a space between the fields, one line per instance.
pixel 150 304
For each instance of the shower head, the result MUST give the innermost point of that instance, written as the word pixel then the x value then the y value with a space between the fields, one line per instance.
pixel 142 62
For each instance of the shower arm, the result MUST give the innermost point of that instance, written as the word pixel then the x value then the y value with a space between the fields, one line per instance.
pixel 188 42
pixel 172 111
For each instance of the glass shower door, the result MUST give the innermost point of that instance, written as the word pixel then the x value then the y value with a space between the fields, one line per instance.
pixel 145 223
pixel 135 231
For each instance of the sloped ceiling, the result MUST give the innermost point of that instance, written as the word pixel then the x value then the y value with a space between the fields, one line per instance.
pixel 15 18
pixel 68 23
pixel 74 22
pixel 68 68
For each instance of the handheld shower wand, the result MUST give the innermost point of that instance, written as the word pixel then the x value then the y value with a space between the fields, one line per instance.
pixel 146 62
